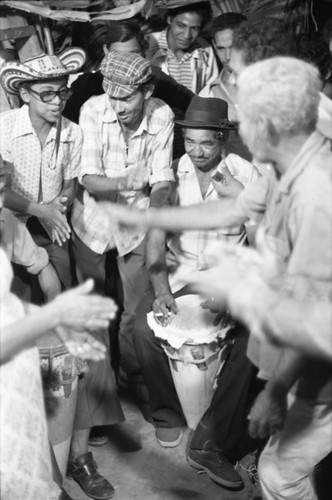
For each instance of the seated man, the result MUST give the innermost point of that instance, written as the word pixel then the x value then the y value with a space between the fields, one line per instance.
pixel 205 135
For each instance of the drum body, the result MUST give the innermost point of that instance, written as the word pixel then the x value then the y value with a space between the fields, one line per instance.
pixel 194 369
pixel 60 378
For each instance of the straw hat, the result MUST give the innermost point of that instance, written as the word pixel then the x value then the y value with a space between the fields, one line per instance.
pixel 14 73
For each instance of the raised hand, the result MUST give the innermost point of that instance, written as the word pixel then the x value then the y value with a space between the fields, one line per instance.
pixel 224 183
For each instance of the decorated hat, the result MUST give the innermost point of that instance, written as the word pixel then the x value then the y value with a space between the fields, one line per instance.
pixel 124 73
pixel 14 73
pixel 175 4
pixel 206 112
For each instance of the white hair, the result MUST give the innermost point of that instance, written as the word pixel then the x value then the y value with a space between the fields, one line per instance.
pixel 283 90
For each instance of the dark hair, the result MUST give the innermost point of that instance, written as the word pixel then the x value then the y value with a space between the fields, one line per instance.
pixel 230 20
pixel 203 9
pixel 123 31
pixel 311 47
pixel 263 38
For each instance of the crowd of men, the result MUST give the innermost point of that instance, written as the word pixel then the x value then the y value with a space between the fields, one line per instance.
pixel 114 199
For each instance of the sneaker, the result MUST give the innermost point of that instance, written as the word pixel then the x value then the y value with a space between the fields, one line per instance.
pixel 217 467
pixel 169 437
pixel 98 440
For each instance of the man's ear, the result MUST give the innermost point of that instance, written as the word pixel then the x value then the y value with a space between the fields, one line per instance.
pixel 168 20
pixel 267 131
pixel 148 91
pixel 24 95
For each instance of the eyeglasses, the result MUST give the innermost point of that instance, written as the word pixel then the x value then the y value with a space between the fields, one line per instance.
pixel 49 95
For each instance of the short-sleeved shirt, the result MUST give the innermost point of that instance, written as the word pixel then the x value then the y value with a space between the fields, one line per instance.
pixel 39 171
pixel 188 250
pixel 147 156
pixel 296 224
pixel 19 245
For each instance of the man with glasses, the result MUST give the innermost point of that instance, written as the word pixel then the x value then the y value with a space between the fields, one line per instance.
pixel 45 150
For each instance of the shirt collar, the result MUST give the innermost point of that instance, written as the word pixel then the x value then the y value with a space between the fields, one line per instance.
pixel 23 126
pixel 309 149
pixel 110 117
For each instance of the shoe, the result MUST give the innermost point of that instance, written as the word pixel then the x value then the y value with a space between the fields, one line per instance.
pixel 169 437
pixel 217 467
pixel 98 440
pixel 84 471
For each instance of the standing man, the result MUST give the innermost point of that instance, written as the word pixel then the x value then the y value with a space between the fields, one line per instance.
pixel 180 52
pixel 45 150
pixel 126 158
pixel 223 86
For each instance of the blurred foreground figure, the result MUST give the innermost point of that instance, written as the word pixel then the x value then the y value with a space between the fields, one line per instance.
pixel 241 282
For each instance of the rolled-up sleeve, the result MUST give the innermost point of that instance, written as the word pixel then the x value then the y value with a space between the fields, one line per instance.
pixel 162 149
pixel 90 123
pixel 22 249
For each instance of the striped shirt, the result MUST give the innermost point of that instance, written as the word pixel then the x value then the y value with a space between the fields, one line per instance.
pixel 147 158
pixel 197 67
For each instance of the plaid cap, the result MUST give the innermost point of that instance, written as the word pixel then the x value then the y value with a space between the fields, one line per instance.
pixel 124 73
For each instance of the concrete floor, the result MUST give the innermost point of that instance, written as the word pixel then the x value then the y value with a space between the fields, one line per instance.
pixel 139 468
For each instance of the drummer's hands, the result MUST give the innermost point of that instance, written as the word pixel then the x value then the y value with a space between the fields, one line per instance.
pixel 164 306
pixel 79 309
pixel 81 344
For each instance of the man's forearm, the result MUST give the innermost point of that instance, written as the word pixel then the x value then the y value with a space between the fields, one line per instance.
pixel 18 203
pixel 102 187
pixel 213 215
pixel 287 372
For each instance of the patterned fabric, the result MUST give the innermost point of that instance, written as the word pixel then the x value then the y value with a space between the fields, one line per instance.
pixel 25 464
pixel 189 249
pixel 147 158
pixel 124 73
pixel 34 165
pixel 195 70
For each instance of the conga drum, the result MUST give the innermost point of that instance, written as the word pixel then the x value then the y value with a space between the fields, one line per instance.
pixel 59 371
pixel 194 347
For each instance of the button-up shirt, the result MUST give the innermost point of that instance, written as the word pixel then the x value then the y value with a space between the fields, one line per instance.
pixel 39 171
pixel 147 157
pixel 296 221
pixel 189 249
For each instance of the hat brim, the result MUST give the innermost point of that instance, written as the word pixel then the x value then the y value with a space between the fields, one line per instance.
pixel 14 73
pixel 226 125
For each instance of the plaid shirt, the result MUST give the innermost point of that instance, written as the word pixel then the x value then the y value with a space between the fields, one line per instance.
pixel 189 248
pixel 148 155
pixel 196 69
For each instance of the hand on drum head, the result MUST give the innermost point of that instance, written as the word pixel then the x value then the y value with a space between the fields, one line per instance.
pixel 82 344
pixel 78 309
pixel 164 307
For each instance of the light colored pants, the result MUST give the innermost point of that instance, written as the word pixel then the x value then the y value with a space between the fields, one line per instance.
pixel 292 453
